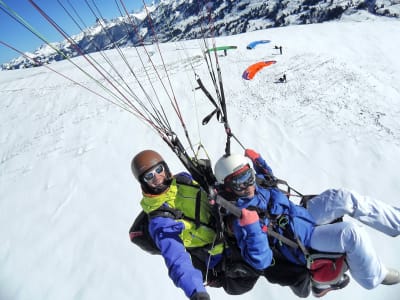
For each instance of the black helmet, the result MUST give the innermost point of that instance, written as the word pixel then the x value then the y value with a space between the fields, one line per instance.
pixel 144 161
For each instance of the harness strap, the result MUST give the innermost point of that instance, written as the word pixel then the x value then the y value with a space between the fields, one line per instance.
pixel 216 110
pixel 237 212
pixel 272 233
pixel 303 248
pixel 270 181
pixel 166 212
pixel 197 209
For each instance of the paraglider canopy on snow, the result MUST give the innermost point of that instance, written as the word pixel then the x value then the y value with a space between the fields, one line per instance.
pixel 252 70
pixel 252 45
pixel 221 48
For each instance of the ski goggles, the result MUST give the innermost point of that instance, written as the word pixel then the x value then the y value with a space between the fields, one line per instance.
pixel 149 176
pixel 242 181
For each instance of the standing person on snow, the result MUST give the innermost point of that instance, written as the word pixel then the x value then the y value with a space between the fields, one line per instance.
pixel 236 176
pixel 177 238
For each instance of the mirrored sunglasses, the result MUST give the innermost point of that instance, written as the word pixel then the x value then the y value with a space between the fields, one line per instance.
pixel 149 176
pixel 242 181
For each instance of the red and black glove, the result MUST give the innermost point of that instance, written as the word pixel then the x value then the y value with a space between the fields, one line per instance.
pixel 248 217
pixel 253 155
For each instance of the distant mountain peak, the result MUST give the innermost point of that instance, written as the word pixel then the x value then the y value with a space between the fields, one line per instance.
pixel 179 20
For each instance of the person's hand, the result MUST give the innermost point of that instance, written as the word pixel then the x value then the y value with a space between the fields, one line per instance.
pixel 212 195
pixel 200 296
pixel 248 217
pixel 250 153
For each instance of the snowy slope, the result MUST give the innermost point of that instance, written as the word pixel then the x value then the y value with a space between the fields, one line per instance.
pixel 67 198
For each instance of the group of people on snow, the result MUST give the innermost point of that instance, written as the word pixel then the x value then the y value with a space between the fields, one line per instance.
pixel 234 254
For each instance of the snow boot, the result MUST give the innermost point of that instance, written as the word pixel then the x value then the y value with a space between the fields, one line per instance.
pixel 320 290
pixel 392 277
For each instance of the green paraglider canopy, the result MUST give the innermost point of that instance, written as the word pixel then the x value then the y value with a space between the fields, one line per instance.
pixel 221 48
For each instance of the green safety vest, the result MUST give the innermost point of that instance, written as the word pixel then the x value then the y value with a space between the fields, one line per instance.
pixel 183 197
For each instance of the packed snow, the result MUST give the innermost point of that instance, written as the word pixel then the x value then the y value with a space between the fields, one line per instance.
pixel 67 196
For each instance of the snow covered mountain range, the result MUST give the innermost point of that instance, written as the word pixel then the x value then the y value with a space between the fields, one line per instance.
pixel 179 20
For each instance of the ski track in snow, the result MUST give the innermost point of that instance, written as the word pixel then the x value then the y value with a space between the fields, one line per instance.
pixel 320 88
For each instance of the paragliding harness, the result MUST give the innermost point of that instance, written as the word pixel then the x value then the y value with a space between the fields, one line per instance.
pixel 232 272
pixel 139 232
pixel 325 267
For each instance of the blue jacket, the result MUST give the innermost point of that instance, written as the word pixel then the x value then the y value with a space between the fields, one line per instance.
pixel 173 236
pixel 253 240
pixel 165 233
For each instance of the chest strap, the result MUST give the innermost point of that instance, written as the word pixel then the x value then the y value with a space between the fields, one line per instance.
pixel 166 212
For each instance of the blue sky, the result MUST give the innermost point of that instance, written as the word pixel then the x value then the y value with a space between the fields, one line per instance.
pixel 13 33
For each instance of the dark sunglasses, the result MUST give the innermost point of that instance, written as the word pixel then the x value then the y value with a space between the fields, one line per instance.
pixel 149 176
pixel 242 181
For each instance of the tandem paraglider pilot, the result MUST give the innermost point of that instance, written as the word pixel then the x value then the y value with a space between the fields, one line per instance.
pixel 160 199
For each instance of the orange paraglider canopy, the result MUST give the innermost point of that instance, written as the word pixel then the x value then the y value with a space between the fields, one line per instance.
pixel 252 70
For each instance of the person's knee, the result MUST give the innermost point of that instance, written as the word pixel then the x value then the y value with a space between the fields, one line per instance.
pixel 339 194
pixel 351 237
pixel 343 199
pixel 343 193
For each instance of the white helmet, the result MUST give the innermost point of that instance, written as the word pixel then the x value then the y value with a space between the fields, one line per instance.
pixel 228 165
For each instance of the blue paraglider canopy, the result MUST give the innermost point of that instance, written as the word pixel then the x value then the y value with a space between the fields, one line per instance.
pixel 252 45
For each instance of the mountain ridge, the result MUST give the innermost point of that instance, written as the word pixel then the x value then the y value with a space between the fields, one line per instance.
pixel 175 20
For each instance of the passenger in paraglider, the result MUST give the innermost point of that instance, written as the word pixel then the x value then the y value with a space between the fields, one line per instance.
pixel 263 206
pixel 186 244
